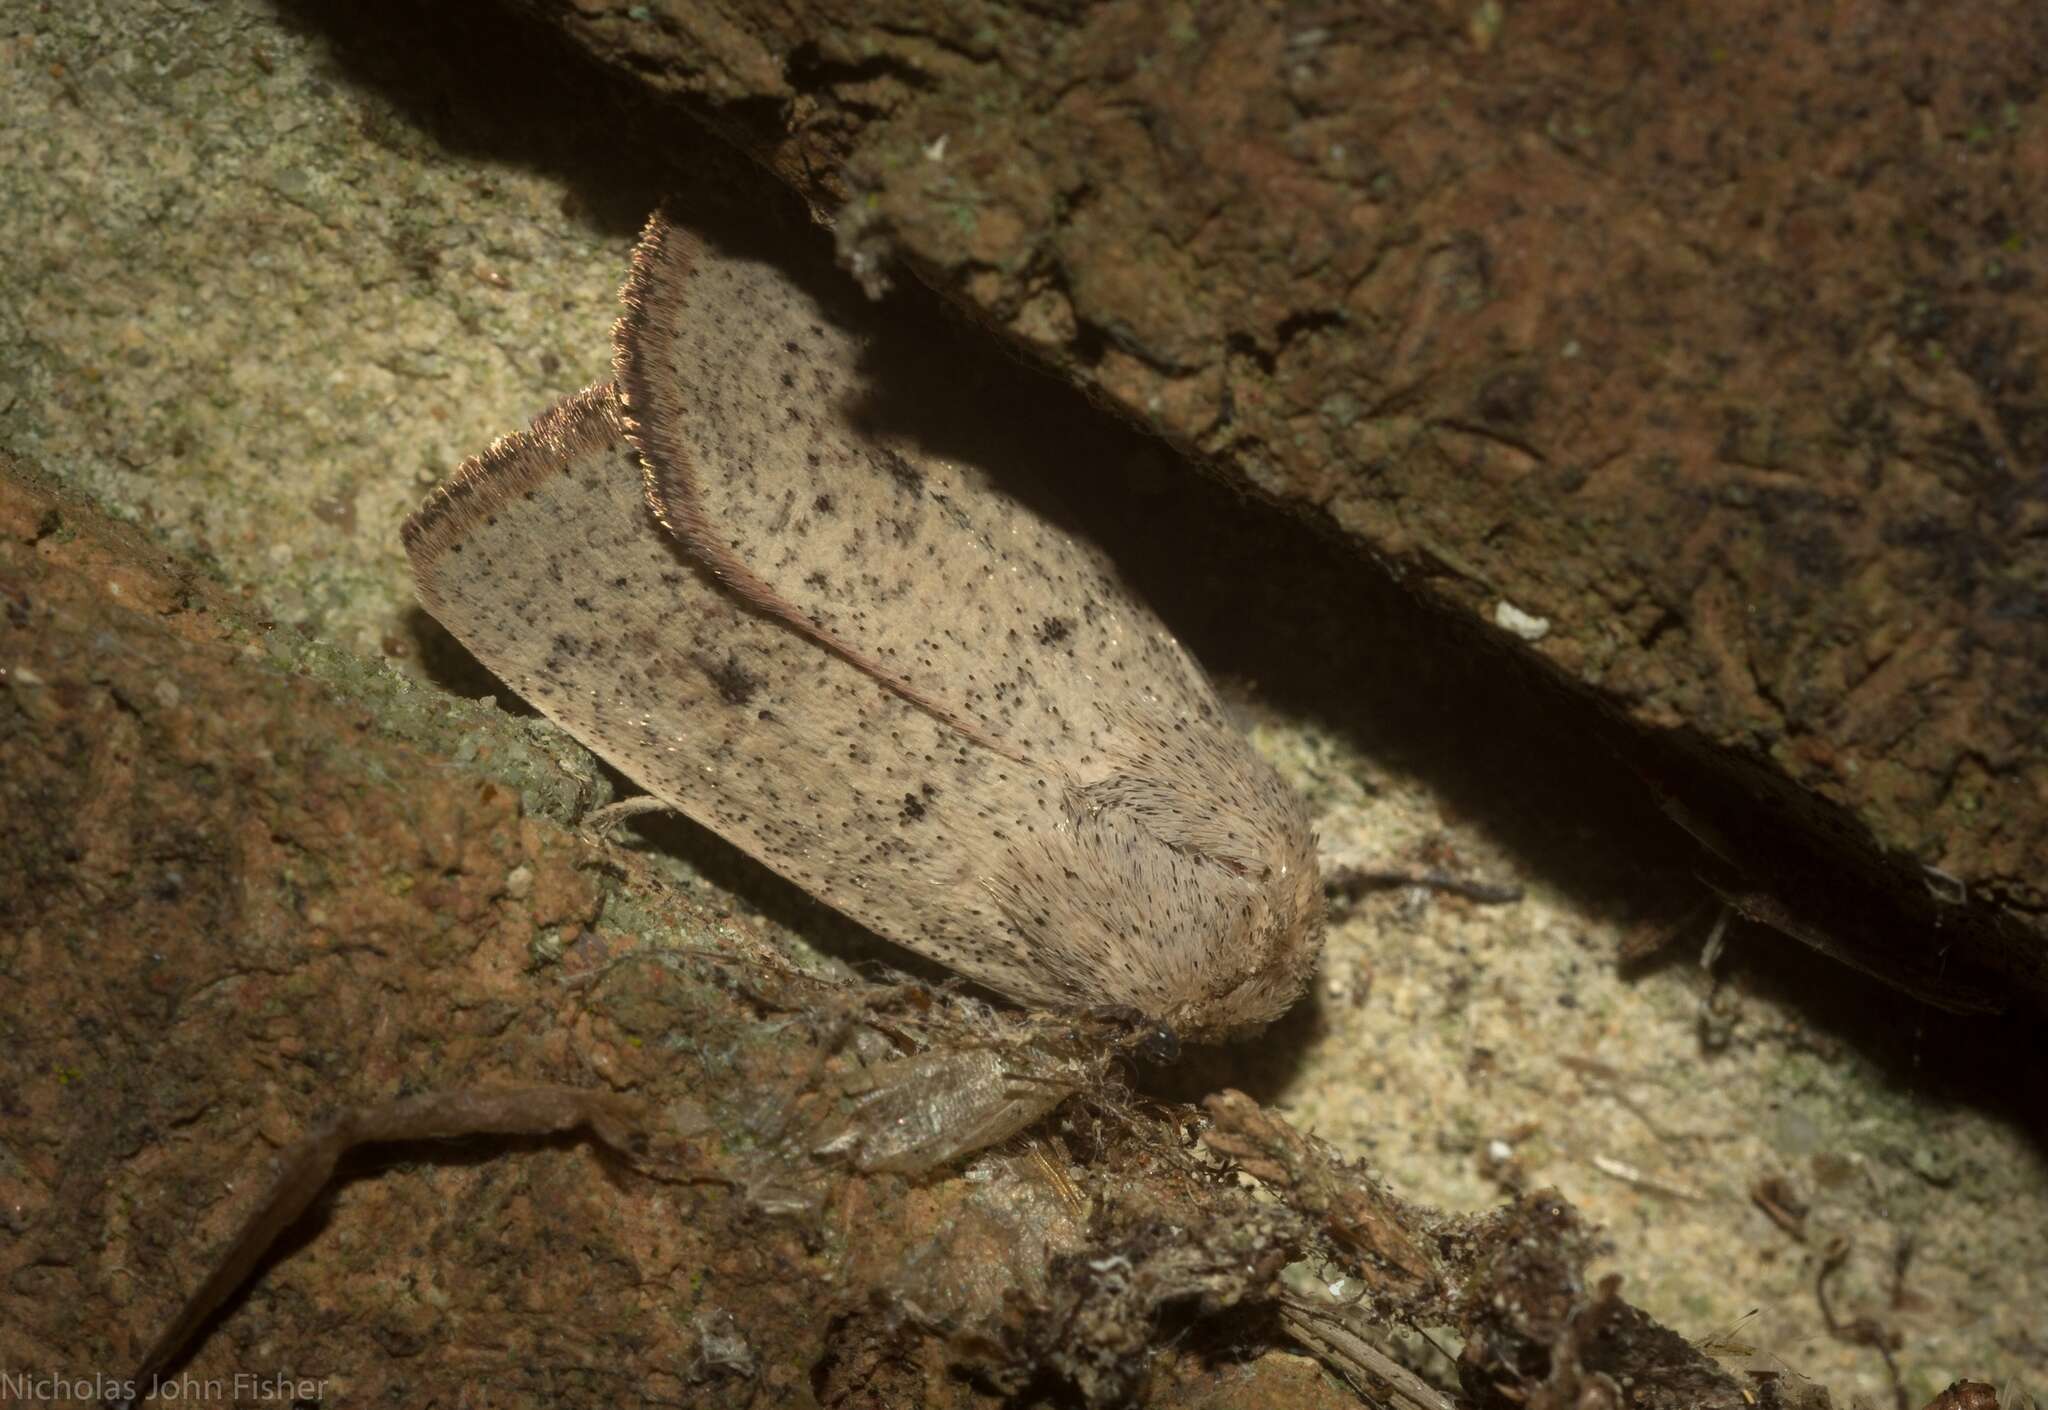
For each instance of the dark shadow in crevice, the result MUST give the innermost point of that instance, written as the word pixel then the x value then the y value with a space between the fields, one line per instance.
pixel 482 82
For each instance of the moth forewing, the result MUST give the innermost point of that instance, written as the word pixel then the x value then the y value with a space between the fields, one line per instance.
pixel 1180 877
pixel 542 558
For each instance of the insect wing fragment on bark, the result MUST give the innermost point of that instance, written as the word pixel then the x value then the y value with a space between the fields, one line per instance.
pixel 871 668
pixel 930 1109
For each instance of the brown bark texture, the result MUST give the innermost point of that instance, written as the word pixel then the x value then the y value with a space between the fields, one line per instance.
pixel 1697 355
pixel 236 900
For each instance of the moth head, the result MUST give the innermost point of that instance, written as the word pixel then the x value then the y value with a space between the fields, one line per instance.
pixel 1158 1044
pixel 1278 938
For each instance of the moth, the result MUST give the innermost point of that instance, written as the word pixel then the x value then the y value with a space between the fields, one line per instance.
pixel 871 667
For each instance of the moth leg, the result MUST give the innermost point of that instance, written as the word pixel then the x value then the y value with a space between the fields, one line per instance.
pixel 618 1121
pixel 1351 881
pixel 601 821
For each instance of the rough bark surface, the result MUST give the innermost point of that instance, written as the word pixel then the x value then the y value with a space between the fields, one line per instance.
pixel 1702 357
pixel 235 900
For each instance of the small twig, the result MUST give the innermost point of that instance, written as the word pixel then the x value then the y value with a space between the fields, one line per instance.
pixel 1332 1338
pixel 1859 1331
pixel 1351 881
pixel 1902 1259
pixel 1780 1202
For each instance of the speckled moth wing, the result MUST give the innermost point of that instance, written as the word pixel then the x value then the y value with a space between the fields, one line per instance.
pixel 1184 857
pixel 743 394
pixel 542 558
